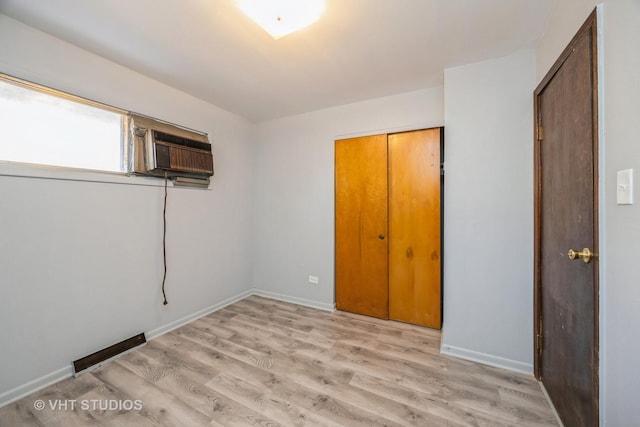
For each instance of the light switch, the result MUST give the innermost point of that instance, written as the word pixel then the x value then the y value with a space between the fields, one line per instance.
pixel 624 193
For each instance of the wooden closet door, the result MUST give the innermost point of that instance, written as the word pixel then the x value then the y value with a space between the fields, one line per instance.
pixel 361 225
pixel 414 227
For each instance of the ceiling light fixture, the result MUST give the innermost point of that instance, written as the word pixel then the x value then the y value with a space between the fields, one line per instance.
pixel 282 17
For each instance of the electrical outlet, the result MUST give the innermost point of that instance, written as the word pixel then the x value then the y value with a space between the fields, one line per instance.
pixel 313 279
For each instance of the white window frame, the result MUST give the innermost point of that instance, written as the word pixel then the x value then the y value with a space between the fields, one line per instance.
pixel 44 171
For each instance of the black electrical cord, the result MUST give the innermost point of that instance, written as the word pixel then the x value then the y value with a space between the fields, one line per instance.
pixel 164 239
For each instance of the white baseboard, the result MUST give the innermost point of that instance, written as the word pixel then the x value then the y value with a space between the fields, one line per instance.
pixel 295 300
pixel 487 359
pixel 194 316
pixel 35 385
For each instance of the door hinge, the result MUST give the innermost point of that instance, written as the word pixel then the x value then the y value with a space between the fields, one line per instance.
pixel 540 132
pixel 539 343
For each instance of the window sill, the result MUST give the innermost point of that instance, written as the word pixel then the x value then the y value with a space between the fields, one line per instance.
pixel 35 171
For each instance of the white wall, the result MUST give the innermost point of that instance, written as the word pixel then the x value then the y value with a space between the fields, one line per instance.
pixel 294 192
pixel 621 347
pixel 620 225
pixel 81 262
pixel 488 235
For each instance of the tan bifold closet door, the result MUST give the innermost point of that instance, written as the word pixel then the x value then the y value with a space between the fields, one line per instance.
pixel 388 226
pixel 414 227
pixel 361 225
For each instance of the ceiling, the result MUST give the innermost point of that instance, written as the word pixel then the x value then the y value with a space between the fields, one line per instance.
pixel 358 50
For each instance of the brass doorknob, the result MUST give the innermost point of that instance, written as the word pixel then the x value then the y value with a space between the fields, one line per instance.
pixel 584 255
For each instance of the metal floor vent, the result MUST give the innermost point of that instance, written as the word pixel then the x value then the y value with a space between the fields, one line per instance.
pixel 98 358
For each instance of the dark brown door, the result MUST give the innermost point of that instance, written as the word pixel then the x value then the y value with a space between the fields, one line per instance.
pixel 566 297
pixel 362 284
pixel 414 227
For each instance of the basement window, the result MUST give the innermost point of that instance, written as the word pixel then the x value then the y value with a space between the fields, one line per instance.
pixel 43 126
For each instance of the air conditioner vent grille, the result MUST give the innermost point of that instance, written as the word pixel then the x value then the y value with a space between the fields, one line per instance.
pixel 180 140
pixel 171 157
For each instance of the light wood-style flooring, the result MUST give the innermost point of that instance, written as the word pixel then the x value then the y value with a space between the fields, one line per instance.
pixel 261 362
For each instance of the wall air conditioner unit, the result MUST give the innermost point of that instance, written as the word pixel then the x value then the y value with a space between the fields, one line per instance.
pixel 160 149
